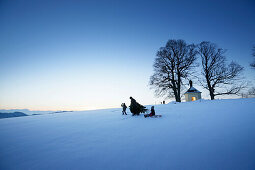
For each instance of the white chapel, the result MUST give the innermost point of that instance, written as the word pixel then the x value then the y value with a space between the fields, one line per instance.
pixel 192 93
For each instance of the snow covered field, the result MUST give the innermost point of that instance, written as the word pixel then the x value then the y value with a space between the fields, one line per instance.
pixel 197 135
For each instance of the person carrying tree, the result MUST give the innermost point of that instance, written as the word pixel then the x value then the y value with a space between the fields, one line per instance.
pixel 124 107
pixel 136 108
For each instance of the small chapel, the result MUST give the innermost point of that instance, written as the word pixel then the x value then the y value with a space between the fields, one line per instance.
pixel 192 93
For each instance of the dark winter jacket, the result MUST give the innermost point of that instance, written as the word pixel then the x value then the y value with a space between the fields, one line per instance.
pixel 152 112
pixel 123 105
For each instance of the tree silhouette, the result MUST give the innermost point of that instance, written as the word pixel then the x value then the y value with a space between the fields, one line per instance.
pixel 173 63
pixel 136 108
pixel 217 78
pixel 253 64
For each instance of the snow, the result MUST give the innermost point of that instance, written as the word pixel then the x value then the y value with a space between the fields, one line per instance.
pixel 193 135
pixel 192 90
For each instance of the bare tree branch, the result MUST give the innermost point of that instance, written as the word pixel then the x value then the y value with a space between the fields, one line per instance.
pixel 173 63
pixel 218 79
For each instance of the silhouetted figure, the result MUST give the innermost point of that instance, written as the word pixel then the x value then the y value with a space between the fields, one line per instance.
pixel 152 112
pixel 124 107
pixel 164 102
pixel 136 108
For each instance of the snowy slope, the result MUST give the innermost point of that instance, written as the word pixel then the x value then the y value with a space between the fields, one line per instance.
pixel 197 135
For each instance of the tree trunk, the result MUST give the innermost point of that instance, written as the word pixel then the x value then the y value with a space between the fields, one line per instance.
pixel 179 87
pixel 178 98
pixel 211 94
pixel 175 88
pixel 210 88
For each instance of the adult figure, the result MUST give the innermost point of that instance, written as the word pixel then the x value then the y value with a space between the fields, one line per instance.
pixel 136 108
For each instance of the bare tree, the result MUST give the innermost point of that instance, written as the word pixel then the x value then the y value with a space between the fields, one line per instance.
pixel 251 92
pixel 253 64
pixel 248 94
pixel 217 78
pixel 173 63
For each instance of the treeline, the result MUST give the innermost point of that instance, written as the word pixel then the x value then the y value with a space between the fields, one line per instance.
pixel 178 61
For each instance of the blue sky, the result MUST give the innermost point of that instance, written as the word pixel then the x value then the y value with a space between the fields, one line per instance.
pixel 77 55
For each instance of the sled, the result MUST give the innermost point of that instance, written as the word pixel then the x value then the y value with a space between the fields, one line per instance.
pixel 155 116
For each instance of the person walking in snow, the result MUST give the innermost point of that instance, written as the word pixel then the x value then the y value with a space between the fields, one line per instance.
pixel 124 107
pixel 152 112
pixel 136 108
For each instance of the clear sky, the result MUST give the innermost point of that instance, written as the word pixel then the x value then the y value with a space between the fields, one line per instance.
pixel 78 55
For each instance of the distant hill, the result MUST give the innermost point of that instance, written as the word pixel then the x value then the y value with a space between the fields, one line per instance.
pixel 32 112
pixel 13 114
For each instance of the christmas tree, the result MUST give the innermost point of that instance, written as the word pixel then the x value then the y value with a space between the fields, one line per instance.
pixel 136 108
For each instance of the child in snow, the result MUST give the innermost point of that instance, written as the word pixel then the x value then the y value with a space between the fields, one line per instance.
pixel 124 107
pixel 152 112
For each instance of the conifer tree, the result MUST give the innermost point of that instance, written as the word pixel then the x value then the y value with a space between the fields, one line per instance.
pixel 136 108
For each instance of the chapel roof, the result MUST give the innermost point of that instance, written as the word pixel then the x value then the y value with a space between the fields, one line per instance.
pixel 192 90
